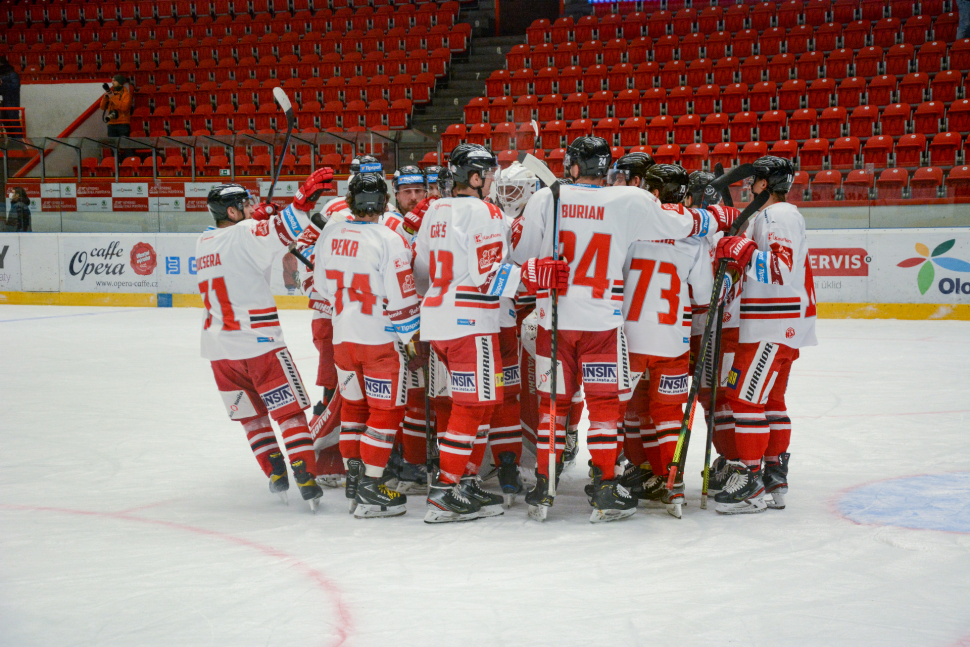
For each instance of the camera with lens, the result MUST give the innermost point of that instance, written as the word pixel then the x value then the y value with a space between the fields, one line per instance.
pixel 107 88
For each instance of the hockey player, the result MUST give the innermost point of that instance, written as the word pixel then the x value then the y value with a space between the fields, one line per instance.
pixel 629 170
pixel 364 270
pixel 431 173
pixel 241 334
pixel 459 250
pixel 777 319
pixel 596 228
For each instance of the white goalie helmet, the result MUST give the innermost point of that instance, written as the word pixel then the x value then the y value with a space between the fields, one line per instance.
pixel 513 187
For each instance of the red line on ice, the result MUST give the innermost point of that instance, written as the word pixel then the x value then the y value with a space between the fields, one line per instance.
pixel 344 621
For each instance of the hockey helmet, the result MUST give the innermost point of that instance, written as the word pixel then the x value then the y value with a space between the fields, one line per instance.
pixel 227 195
pixel 431 173
pixel 445 182
pixel 700 190
pixel 670 180
pixel 365 164
pixel 367 194
pixel 630 166
pixel 513 187
pixel 409 176
pixel 591 154
pixel 778 171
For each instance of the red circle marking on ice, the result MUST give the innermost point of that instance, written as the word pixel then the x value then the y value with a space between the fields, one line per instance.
pixel 143 259
pixel 344 622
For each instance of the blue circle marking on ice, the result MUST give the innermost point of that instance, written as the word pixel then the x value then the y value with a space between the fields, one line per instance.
pixel 927 502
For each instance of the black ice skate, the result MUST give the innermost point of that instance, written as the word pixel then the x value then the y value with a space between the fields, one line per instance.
pixel 744 492
pixel 572 447
pixel 611 501
pixel 279 482
pixel 447 503
pixel 538 498
pixel 653 490
pixel 775 477
pixel 412 478
pixel 720 471
pixel 311 492
pixel 392 471
pixel 674 499
pixel 634 478
pixel 355 468
pixel 490 505
pixel 508 477
pixel 374 499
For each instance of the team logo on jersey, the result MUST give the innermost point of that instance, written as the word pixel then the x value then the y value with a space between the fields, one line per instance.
pixel 406 280
pixel 463 382
pixel 732 378
pixel 262 228
pixel 488 255
pixel 377 389
pixel 510 375
pixel 673 384
pixel 262 340
pixel 789 333
pixel 278 397
pixel 599 373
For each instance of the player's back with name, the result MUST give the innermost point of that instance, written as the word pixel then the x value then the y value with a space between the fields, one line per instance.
pixel 460 241
pixel 234 280
pixel 364 271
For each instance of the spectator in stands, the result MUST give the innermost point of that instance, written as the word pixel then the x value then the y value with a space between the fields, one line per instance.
pixel 116 105
pixel 9 98
pixel 18 218
pixel 963 29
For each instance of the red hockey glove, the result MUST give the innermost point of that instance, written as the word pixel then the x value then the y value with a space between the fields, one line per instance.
pixel 738 251
pixel 516 231
pixel 413 218
pixel 265 211
pixel 725 216
pixel 545 273
pixel 311 190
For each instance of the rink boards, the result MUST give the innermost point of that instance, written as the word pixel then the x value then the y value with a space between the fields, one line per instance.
pixel 862 273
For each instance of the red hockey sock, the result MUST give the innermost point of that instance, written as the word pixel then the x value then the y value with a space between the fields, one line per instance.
pixel 666 420
pixel 262 440
pixel 478 450
pixel 296 437
pixel 459 439
pixel 542 439
pixel 780 425
pixel 604 413
pixel 505 431
pixel 378 439
pixel 650 448
pixel 353 421
pixel 442 413
pixel 724 431
pixel 751 431
pixel 632 440
pixel 413 439
pixel 575 413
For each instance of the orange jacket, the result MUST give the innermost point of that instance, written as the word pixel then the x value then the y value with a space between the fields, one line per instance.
pixel 120 102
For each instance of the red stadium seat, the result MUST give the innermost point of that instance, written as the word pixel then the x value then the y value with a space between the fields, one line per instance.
pixel 553 134
pixel 944 147
pixel 844 152
pixel 663 49
pixel 695 156
pixel 705 97
pixel 958 182
pixel 910 150
pixel 716 44
pixel 725 71
pixel 502 136
pixel 958 116
pixel 926 183
pixel 633 131
pixel 820 93
pixel 475 110
pixel 496 85
pixel 520 82
pixel 625 104
pixel 770 40
pixel 862 121
pixel 678 98
pixel 856 185
pixel 574 106
pixel 735 17
pixel 827 35
pixel 479 134
pixel 754 69
pixel 812 155
pixel 599 104
pixel 799 186
pixel 944 85
pixel 608 129
pixel 786 148
pixel 891 182
pixel 960 54
pixel 550 108
pixel 752 151
pixel 714 127
pixel 544 80
pixel 761 95
pixel 725 153
pixel 525 137
pixel 555 160
pixel 868 60
pixel 667 154
pixel 887 31
pixel 899 58
pixel 945 25
pixel 526 108
pixel 809 64
pixel 686 127
pixel 850 91
pixel 539 32
pixel 894 117
pixel 658 128
pixel 742 45
pixel 837 63
pixel 733 97
pixel 916 29
pixel 801 123
pixel 790 97
pixel 698 71
pixel 619 77
pixel 453 136
pixel 913 87
pixel 877 151
pixel 797 39
pixel 928 118
pixel 855 34
pixel 500 109
pixel 825 185
pixel 771 124
pixel 741 126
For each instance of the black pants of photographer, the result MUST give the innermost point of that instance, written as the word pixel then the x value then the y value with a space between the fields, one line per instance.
pixel 119 130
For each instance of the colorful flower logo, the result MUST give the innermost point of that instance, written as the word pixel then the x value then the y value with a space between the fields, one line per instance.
pixel 926 273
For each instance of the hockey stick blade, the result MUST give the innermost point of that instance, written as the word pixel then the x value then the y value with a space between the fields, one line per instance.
pixel 725 195
pixel 285 104
pixel 736 174
pixel 541 170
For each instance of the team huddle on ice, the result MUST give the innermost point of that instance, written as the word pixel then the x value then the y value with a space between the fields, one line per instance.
pixel 436 324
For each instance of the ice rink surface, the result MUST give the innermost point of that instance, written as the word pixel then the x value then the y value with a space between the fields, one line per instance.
pixel 133 513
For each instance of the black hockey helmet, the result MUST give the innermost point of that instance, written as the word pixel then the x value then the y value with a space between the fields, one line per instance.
pixel 669 179
pixel 227 195
pixel 467 159
pixel 445 182
pixel 409 175
pixel 778 171
pixel 367 194
pixel 591 154
pixel 630 166
pixel 431 173
pixel 700 190
pixel 366 164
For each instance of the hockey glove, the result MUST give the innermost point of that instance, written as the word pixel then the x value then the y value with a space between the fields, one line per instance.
pixel 265 211
pixel 311 190
pixel 545 273
pixel 418 353
pixel 725 216
pixel 413 218
pixel 738 251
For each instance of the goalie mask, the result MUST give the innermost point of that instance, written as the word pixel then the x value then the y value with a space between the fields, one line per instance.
pixel 513 187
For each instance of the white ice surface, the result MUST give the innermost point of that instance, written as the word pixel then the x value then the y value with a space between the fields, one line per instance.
pixel 133 513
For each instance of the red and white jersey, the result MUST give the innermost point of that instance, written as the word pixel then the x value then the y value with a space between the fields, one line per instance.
pixel 596 227
pixel 320 306
pixel 458 253
pixel 659 277
pixel 778 295
pixel 701 302
pixel 337 212
pixel 234 265
pixel 364 270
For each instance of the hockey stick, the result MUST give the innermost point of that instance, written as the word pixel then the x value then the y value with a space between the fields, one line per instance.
pixel 430 439
pixel 549 178
pixel 726 194
pixel 535 141
pixel 683 439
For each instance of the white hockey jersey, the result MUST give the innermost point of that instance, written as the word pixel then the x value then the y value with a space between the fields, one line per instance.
pixel 364 270
pixel 597 226
pixel 459 252
pixel 234 265
pixel 701 302
pixel 778 296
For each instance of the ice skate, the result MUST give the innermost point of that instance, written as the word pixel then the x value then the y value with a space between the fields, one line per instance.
pixel 412 478
pixel 572 447
pixel 309 489
pixel 611 501
pixel 775 477
pixel 744 493
pixel 634 478
pixel 447 503
pixel 653 490
pixel 674 499
pixel 538 498
pixel 330 480
pixel 508 478
pixel 720 471
pixel 355 467
pixel 393 468
pixel 490 505
pixel 374 499
pixel 279 482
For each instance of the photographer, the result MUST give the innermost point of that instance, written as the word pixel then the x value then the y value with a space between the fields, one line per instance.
pixel 116 105
pixel 9 98
pixel 18 219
